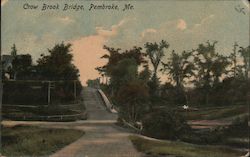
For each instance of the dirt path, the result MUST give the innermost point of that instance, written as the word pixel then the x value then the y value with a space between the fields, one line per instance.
pixel 102 139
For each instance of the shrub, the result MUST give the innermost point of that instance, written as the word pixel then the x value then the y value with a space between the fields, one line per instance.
pixel 239 127
pixel 132 98
pixel 164 124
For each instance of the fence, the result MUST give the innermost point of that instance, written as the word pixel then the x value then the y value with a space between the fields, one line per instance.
pixel 29 92
pixel 73 117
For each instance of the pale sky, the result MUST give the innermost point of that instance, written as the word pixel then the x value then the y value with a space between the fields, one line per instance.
pixel 183 24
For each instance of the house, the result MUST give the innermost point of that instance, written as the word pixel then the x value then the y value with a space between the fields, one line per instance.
pixel 6 61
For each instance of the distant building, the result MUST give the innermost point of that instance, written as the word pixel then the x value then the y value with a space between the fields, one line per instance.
pixel 23 61
pixel 7 61
pixel 7 66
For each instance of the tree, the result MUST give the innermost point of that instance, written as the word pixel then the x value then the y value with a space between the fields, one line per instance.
pixel 210 67
pixel 13 50
pixel 245 54
pixel 165 124
pixel 93 83
pixel 145 74
pixel 121 66
pixel 155 52
pixel 124 72
pixel 179 67
pixel 22 65
pixel 115 56
pixel 233 57
pixel 57 65
pixel 133 100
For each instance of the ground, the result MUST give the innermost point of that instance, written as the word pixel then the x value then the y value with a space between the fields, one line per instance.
pixel 105 139
pixel 102 137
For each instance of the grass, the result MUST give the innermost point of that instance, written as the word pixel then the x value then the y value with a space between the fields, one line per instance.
pixel 35 141
pixel 37 112
pixel 213 113
pixel 166 147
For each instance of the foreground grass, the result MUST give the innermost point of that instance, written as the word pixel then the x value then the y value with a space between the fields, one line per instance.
pixel 35 141
pixel 153 147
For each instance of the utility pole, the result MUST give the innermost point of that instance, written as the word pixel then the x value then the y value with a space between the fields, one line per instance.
pixel 51 85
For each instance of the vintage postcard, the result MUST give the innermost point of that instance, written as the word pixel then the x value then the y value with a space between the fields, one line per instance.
pixel 125 78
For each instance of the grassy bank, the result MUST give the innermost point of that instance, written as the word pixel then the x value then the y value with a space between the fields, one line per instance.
pixel 35 141
pixel 213 113
pixel 154 148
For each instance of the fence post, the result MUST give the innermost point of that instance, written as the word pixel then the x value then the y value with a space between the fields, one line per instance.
pixel 75 89
pixel 48 92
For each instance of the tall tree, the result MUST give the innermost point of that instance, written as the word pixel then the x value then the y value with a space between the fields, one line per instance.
pixel 234 59
pixel 13 50
pixel 179 67
pixel 21 66
pixel 211 67
pixel 145 74
pixel 132 98
pixel 155 52
pixel 120 64
pixel 245 54
pixel 57 65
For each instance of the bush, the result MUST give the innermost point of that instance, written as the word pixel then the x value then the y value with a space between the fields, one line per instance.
pixel 239 128
pixel 132 98
pixel 164 124
pixel 204 137
pixel 36 92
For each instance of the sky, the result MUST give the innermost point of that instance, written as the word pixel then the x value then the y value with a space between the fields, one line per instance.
pixel 183 24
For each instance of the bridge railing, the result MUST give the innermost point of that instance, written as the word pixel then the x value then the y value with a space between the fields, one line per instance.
pixel 106 101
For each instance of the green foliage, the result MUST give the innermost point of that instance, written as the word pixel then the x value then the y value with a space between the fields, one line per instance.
pixel 145 74
pixel 235 135
pixel 245 54
pixel 58 64
pixel 155 52
pixel 239 127
pixel 133 98
pixel 211 66
pixel 121 66
pixel 36 92
pixel 124 72
pixel 164 124
pixel 173 95
pixel 115 56
pixel 93 83
pixel 179 67
pixel 22 66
